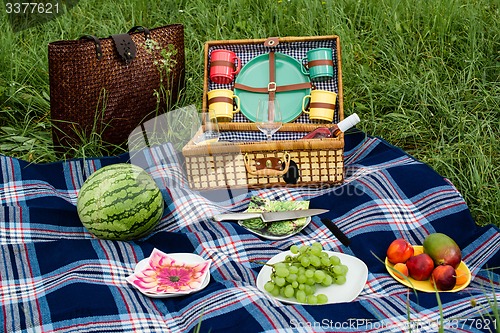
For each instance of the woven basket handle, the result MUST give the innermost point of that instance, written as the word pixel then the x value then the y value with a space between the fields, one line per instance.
pixel 266 171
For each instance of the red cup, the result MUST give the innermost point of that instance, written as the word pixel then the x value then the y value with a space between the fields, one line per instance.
pixel 224 65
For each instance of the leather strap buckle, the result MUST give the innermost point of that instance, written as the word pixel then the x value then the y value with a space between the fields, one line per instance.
pixel 272 42
pixel 271 86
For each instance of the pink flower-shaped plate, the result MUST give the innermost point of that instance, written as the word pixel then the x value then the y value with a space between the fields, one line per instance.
pixel 164 275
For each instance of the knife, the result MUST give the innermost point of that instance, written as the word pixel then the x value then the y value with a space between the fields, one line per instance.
pixel 270 216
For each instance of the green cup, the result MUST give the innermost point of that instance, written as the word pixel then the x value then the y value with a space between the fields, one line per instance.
pixel 319 64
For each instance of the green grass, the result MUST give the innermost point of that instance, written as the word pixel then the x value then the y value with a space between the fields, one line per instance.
pixel 423 75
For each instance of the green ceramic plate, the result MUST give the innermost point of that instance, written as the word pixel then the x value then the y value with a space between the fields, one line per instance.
pixel 255 73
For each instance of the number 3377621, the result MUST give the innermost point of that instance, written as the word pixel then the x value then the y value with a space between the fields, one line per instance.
pixel 31 8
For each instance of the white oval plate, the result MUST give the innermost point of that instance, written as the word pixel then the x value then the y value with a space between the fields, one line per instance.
pixel 273 237
pixel 189 258
pixel 356 279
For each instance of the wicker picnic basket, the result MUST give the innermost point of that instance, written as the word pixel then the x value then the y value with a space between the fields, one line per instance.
pixel 243 158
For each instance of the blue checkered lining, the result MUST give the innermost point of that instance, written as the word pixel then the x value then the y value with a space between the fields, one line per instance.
pixel 298 50
pixel 242 136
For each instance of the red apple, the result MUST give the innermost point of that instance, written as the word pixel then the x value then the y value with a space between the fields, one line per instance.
pixel 420 267
pixel 444 277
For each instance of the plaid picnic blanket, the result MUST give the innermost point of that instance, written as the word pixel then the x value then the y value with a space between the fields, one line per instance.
pixel 56 277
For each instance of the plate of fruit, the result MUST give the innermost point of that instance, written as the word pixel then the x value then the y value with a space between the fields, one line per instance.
pixel 309 275
pixel 434 266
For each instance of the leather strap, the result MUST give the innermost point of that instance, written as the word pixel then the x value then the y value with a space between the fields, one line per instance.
pixel 248 88
pixel 220 99
pixel 288 87
pixel 320 63
pixel 271 87
pixel 322 105
pixel 97 43
pixel 125 47
pixel 145 30
pixel 295 86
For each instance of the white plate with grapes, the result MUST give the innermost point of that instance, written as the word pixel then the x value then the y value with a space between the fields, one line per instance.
pixel 347 277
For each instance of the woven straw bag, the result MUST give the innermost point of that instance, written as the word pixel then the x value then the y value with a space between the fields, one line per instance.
pixel 110 86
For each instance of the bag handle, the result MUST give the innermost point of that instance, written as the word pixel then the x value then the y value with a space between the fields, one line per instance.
pixel 140 28
pixel 97 42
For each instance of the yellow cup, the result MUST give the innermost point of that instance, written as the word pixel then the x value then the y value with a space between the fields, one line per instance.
pixel 221 102
pixel 321 105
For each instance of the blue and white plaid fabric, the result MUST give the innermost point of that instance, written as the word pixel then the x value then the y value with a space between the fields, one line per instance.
pixel 55 277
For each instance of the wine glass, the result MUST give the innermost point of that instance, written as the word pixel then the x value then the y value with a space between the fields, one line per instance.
pixel 268 117
pixel 206 130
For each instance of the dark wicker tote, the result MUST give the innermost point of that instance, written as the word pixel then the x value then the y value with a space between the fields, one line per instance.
pixel 110 86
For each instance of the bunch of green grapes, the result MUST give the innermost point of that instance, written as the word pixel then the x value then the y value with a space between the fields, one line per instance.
pixel 299 275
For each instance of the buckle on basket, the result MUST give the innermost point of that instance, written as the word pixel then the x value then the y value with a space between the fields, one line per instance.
pixel 274 163
pixel 271 86
pixel 271 42
pixel 269 166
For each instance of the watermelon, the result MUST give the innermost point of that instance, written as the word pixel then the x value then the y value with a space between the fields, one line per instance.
pixel 120 202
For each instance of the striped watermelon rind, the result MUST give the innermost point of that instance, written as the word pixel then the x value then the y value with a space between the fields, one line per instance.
pixel 120 202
